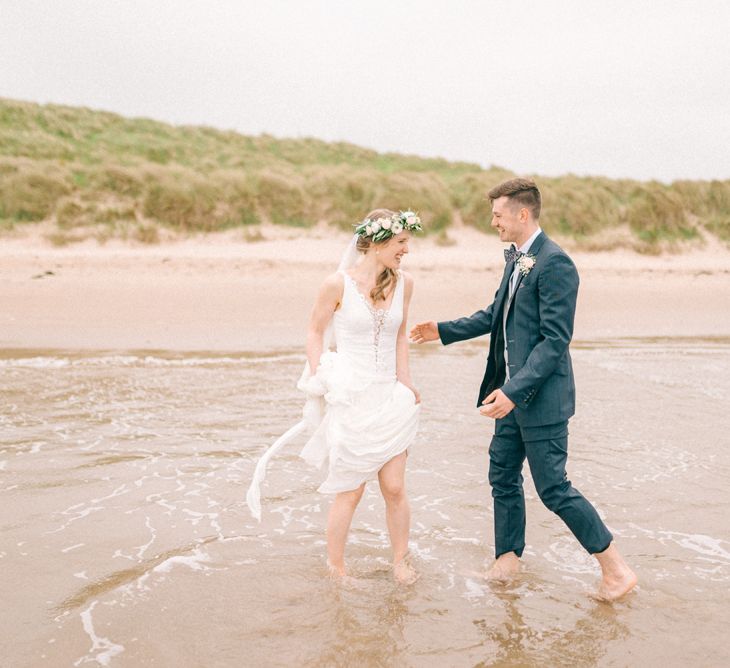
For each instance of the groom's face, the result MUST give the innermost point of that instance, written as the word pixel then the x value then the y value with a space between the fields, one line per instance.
pixel 507 219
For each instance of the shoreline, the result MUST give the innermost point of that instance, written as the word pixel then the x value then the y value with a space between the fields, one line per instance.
pixel 202 355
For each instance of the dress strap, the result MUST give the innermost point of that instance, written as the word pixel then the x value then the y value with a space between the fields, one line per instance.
pixel 345 280
pixel 400 290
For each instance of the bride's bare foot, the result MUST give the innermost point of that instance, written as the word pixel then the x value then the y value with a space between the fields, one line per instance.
pixel 618 579
pixel 505 567
pixel 339 576
pixel 336 572
pixel 403 571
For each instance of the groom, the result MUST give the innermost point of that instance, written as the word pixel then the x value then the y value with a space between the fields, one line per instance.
pixel 528 386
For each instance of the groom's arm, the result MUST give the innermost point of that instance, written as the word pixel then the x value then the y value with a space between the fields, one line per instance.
pixel 477 324
pixel 557 294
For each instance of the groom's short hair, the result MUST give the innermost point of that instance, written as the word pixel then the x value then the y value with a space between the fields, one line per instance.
pixel 521 191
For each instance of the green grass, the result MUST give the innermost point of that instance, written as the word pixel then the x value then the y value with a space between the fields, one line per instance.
pixel 116 176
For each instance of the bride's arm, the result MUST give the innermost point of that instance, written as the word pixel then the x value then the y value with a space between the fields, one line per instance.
pixel 402 369
pixel 327 302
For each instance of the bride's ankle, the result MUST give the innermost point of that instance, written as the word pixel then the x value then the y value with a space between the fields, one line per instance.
pixel 401 558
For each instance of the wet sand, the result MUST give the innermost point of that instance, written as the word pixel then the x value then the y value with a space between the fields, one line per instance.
pixel 126 541
pixel 140 385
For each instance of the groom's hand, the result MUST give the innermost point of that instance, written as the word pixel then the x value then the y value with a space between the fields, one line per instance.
pixel 425 331
pixel 497 405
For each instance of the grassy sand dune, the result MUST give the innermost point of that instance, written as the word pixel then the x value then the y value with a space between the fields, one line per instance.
pixel 88 173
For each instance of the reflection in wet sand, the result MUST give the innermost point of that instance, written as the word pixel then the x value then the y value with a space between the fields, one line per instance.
pixel 122 479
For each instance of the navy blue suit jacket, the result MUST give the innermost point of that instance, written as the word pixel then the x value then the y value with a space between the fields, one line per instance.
pixel 539 328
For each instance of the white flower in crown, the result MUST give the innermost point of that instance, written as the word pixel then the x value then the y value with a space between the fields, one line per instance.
pixel 411 221
pixel 525 263
pixel 384 228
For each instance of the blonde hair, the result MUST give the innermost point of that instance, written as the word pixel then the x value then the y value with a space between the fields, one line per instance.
pixel 387 278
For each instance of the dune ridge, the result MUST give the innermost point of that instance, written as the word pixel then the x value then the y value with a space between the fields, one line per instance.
pixel 89 174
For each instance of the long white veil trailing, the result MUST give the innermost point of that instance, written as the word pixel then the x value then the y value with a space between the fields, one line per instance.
pixel 314 406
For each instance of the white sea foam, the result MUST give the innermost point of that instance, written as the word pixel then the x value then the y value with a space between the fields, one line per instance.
pixel 700 543
pixel 474 589
pixel 196 561
pixel 568 556
pixel 80 515
pixel 35 362
pixel 108 649
pixel 141 549
pixel 57 362
pixel 708 546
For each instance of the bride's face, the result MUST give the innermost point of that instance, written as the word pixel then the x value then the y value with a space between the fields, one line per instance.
pixel 391 252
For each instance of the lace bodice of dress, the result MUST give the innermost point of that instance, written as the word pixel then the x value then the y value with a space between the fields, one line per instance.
pixel 366 335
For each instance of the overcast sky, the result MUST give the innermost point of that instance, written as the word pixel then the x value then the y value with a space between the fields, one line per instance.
pixel 622 89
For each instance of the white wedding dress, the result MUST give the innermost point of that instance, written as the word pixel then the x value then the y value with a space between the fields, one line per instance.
pixel 361 416
pixel 370 417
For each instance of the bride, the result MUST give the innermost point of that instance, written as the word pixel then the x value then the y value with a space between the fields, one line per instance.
pixel 361 398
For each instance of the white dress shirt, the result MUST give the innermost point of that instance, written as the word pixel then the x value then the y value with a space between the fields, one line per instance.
pixel 524 248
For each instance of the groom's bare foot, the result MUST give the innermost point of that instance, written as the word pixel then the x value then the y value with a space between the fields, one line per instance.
pixel 614 587
pixel 617 579
pixel 505 567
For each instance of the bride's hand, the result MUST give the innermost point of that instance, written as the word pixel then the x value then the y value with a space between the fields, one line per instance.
pixel 416 393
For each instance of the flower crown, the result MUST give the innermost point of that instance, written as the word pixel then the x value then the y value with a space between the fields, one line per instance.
pixel 385 227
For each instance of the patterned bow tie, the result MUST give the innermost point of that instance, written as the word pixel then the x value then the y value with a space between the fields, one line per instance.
pixel 511 254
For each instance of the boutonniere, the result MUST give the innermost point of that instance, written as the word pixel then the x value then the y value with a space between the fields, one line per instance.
pixel 525 263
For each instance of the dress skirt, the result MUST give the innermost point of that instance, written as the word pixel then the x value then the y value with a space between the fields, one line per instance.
pixel 363 428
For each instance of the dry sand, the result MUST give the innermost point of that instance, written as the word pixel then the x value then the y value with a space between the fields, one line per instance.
pixel 222 293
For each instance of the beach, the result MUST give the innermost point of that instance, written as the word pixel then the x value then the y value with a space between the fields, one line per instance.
pixel 177 184
pixel 220 293
pixel 140 384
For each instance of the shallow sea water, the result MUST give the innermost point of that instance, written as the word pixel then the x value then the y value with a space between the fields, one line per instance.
pixel 126 541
